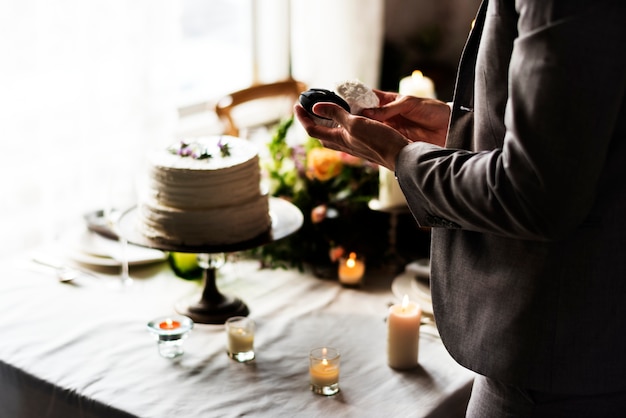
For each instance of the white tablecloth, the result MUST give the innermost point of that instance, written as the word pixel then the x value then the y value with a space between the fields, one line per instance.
pixel 83 350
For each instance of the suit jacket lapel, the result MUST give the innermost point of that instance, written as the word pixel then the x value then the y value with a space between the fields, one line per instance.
pixel 462 118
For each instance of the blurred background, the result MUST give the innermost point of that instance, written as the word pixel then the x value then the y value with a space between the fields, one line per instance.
pixel 86 87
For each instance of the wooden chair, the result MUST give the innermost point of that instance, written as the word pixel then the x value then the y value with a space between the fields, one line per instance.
pixel 258 105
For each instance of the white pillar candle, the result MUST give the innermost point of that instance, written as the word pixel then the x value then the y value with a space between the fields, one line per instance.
pixel 403 328
pixel 389 193
pixel 417 85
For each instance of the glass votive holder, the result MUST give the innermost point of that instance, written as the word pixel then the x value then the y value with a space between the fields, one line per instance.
pixel 351 270
pixel 240 338
pixel 324 370
pixel 170 333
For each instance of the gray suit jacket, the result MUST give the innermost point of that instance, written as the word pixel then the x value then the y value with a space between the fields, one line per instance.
pixel 528 199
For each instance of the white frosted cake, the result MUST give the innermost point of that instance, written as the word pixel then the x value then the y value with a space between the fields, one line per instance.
pixel 205 192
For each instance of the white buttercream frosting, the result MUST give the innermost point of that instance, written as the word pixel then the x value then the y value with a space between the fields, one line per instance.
pixel 210 200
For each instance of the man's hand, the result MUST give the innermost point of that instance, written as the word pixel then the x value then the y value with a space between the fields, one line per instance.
pixel 355 135
pixel 418 119
pixel 381 133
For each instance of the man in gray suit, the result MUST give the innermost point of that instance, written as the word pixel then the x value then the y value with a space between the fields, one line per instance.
pixel 525 189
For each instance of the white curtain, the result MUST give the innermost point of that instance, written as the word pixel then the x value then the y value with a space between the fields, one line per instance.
pixel 271 40
pixel 333 41
pixel 330 40
pixel 85 86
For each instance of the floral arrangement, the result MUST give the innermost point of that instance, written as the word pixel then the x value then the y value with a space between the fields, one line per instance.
pixel 332 189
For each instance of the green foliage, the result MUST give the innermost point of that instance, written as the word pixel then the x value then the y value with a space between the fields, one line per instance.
pixel 336 212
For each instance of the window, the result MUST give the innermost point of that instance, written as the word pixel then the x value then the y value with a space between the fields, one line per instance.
pixel 89 86
pixel 215 51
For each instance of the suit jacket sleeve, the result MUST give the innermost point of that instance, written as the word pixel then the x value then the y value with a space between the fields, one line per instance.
pixel 538 176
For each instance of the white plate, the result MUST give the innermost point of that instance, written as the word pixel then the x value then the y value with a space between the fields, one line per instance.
pixel 418 291
pixel 87 247
pixel 420 268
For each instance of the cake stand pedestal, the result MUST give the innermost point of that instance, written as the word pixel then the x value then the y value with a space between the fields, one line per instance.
pixel 211 306
pixel 395 259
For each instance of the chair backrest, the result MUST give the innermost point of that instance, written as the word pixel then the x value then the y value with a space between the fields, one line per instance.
pixel 282 95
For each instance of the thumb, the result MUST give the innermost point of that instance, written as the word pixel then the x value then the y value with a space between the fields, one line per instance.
pixel 330 111
pixel 381 113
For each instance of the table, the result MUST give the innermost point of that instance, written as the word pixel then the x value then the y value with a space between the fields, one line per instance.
pixel 83 350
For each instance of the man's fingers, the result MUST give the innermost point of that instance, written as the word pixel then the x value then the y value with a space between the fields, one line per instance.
pixel 312 126
pixel 331 111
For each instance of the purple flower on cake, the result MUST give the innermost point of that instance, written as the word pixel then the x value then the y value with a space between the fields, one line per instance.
pixel 203 154
pixel 182 148
pixel 224 147
pixel 190 149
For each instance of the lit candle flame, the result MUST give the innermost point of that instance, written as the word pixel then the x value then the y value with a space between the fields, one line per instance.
pixel 351 261
pixel 417 75
pixel 405 302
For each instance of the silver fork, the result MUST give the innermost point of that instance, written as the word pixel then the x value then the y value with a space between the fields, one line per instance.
pixel 65 274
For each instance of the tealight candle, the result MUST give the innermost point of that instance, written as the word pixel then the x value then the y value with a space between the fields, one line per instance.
pixel 351 270
pixel 403 328
pixel 324 370
pixel 170 334
pixel 417 85
pixel 240 338
pixel 169 323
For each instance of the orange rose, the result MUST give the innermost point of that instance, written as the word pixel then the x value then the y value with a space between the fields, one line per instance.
pixel 323 164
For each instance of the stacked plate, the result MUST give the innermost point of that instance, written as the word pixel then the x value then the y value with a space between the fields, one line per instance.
pixel 415 282
pixel 98 246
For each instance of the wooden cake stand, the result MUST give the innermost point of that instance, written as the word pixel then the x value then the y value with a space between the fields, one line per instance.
pixel 213 307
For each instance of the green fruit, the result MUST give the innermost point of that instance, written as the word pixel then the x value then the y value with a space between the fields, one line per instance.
pixel 185 265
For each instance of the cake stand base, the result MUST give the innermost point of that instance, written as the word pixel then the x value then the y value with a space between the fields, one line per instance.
pixel 395 260
pixel 204 312
pixel 213 307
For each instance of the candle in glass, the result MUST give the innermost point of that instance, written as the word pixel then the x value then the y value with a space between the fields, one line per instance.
pixel 240 338
pixel 169 323
pixel 324 370
pixel 403 328
pixel 170 332
pixel 351 270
